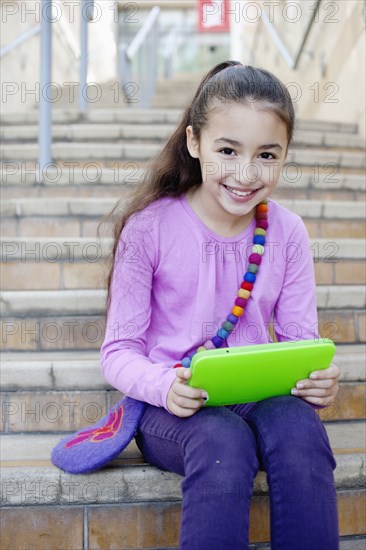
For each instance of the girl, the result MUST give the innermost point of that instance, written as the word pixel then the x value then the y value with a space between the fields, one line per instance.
pixel 181 249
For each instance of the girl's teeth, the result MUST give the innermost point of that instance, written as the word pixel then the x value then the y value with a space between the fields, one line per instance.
pixel 239 193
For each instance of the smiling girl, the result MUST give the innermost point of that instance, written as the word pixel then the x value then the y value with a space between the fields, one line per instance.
pixel 208 189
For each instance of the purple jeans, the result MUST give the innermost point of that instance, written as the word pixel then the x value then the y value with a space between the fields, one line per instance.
pixel 219 451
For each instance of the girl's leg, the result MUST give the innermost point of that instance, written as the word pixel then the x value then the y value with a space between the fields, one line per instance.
pixel 299 462
pixel 216 452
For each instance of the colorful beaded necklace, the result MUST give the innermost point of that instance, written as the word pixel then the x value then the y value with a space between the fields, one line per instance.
pixel 255 259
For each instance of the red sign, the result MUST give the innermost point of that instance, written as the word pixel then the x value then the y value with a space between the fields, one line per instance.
pixel 213 15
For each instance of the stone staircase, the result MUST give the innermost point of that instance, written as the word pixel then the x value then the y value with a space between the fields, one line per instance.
pixel 53 269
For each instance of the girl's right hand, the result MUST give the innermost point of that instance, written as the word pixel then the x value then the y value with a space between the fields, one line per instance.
pixel 183 400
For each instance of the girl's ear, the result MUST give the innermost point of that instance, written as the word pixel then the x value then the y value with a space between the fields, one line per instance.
pixel 192 143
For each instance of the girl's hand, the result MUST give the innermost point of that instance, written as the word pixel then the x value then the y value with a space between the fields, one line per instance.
pixel 183 400
pixel 321 388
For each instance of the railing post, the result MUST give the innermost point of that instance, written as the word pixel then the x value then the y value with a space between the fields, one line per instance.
pixel 141 90
pixel 45 112
pixel 142 46
pixel 124 71
pixel 155 49
pixel 83 107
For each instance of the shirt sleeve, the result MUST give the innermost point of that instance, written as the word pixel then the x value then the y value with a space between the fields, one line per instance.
pixel 124 357
pixel 295 312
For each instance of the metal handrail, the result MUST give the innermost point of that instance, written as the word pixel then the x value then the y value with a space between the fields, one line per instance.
pixel 20 40
pixel 292 62
pixel 147 33
pixel 173 40
pixel 66 36
pixel 45 112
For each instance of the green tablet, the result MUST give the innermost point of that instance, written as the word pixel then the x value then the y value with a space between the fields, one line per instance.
pixel 245 374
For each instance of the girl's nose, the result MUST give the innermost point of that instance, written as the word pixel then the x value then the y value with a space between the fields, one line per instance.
pixel 245 174
pixel 250 172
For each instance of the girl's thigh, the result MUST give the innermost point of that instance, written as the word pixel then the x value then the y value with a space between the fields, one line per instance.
pixel 165 439
pixel 159 439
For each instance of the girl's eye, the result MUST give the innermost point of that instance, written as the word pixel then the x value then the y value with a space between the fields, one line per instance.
pixel 267 156
pixel 226 149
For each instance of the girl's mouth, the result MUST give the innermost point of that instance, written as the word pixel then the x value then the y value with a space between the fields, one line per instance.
pixel 239 195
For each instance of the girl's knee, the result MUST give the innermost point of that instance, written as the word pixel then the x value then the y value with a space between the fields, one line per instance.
pixel 221 434
pixel 291 427
pixel 288 413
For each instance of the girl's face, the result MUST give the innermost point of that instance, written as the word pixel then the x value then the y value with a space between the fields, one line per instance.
pixel 241 151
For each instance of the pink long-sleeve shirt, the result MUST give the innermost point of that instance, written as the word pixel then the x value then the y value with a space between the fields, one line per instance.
pixel 175 281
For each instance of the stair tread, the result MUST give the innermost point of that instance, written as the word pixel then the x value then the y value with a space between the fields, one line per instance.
pixel 27 459
pixel 99 206
pixel 346 437
pixel 358 350
pixel 93 131
pixel 358 543
pixel 144 115
pixel 92 301
pixel 74 370
pixel 123 149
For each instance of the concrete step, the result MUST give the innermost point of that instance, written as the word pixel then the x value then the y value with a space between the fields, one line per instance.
pixel 97 132
pixel 91 174
pixel 347 439
pixel 86 331
pixel 63 391
pixel 91 302
pixel 345 543
pixel 69 115
pixel 129 495
pixel 123 149
pixel 80 370
pixel 41 225
pixel 134 526
pixel 95 207
pixel 72 319
pixel 116 191
pixel 150 116
pixel 94 249
pixel 86 273
pixel 94 131
pixel 65 263
pixel 66 370
pixel 80 216
pixel 87 225
pixel 70 410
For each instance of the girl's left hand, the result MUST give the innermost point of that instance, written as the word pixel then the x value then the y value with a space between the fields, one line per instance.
pixel 321 388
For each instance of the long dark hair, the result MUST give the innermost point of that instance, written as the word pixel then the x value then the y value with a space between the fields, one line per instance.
pixel 173 171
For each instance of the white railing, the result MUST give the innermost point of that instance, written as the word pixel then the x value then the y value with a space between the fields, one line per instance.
pixel 81 54
pixel 169 53
pixel 20 40
pixel 292 62
pixel 144 44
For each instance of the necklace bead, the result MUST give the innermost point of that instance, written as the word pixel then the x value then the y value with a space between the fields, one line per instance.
pixel 232 318
pixel 253 268
pixel 262 224
pixel 217 341
pixel 227 326
pixel 255 259
pixel 259 239
pixel 238 311
pixel 246 286
pixel 209 345
pixel 241 302
pixel 243 293
pixel 250 277
pixel 258 249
